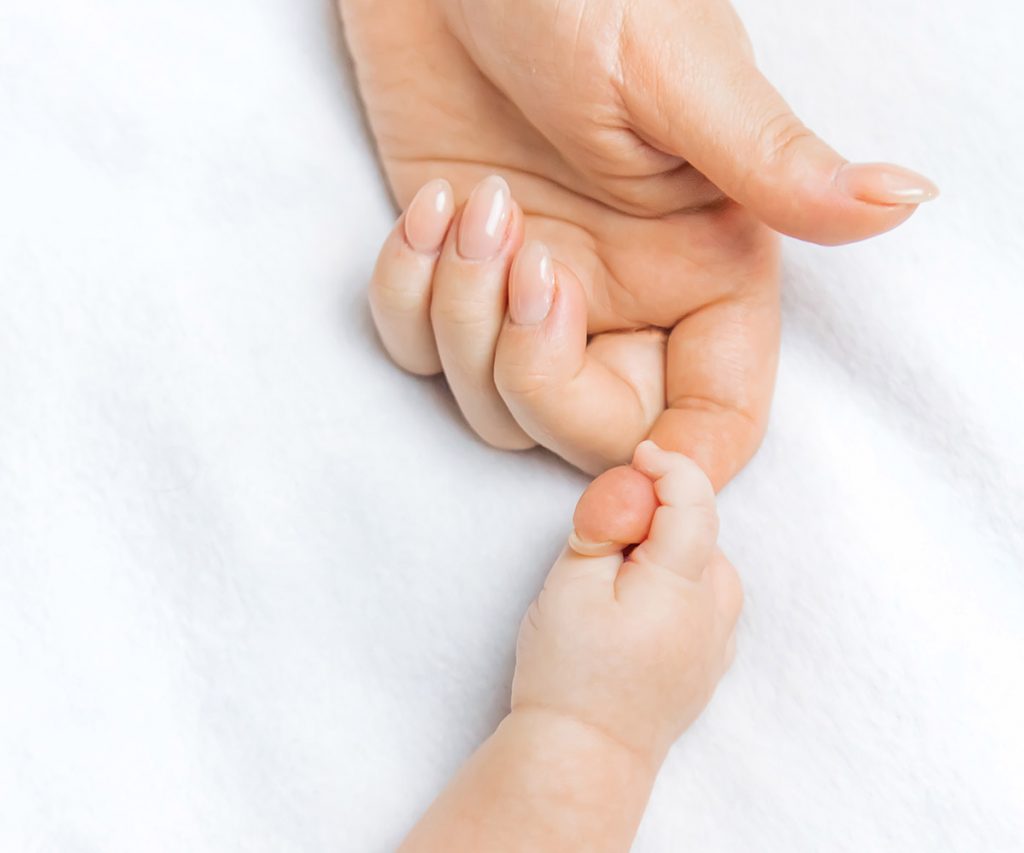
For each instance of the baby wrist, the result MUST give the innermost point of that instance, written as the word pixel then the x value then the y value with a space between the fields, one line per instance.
pixel 578 739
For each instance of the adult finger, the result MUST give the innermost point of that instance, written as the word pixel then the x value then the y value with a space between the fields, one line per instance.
pixel 468 307
pixel 590 406
pixel 692 89
pixel 401 282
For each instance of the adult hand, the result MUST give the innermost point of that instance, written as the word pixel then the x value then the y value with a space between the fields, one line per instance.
pixel 651 159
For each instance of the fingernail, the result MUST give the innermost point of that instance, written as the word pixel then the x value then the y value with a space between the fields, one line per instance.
pixel 647 447
pixel 429 215
pixel 884 183
pixel 649 444
pixel 592 549
pixel 533 285
pixel 485 219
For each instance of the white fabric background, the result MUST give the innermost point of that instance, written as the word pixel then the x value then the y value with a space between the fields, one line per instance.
pixel 259 590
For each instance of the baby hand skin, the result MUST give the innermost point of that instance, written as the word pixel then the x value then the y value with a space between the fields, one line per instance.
pixel 616 658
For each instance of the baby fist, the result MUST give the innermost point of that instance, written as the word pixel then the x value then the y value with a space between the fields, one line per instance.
pixel 633 646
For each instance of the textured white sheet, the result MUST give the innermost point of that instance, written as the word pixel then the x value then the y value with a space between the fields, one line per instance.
pixel 258 590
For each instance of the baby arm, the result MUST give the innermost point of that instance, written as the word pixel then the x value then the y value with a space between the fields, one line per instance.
pixel 541 782
pixel 616 657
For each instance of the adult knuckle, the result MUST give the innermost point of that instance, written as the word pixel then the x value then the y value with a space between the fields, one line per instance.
pixel 780 136
pixel 461 312
pixel 521 381
pixel 395 298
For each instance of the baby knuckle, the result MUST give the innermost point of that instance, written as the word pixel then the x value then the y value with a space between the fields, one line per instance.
pixel 728 586
pixel 704 523
pixel 694 483
pixel 735 596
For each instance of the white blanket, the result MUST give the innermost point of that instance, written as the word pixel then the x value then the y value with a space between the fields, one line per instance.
pixel 259 590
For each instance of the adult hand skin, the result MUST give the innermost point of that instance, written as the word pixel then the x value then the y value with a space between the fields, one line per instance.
pixel 655 163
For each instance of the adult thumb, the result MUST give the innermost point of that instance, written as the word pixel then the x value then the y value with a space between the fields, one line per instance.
pixel 712 107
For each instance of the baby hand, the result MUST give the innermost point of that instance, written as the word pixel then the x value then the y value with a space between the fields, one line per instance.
pixel 616 658
pixel 633 646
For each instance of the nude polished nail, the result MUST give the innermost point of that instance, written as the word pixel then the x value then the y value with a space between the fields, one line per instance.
pixel 429 215
pixel 532 286
pixel 485 219
pixel 884 183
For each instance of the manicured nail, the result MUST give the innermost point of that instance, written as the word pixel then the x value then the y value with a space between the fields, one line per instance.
pixel 429 215
pixel 485 219
pixel 883 183
pixel 533 285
